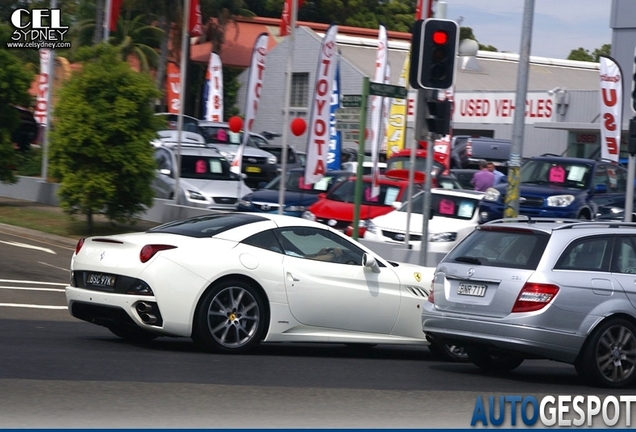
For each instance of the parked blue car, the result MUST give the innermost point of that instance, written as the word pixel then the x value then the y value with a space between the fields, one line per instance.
pixel 561 187
pixel 298 195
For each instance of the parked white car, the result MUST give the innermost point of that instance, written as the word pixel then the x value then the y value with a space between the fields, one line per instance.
pixel 454 214
pixel 205 180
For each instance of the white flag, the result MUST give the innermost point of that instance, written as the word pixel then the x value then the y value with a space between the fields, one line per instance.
pixel 254 87
pixel 611 108
pixel 44 86
pixel 318 142
pixel 381 61
pixel 214 105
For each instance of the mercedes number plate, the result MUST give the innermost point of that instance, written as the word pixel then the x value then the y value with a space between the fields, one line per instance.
pixel 100 279
pixel 477 290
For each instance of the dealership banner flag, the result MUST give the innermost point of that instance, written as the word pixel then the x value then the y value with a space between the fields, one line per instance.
pixel 381 61
pixel 423 9
pixel 335 136
pixel 173 87
pixel 318 141
pixel 214 102
pixel 195 26
pixel 113 9
pixel 611 107
pixel 44 87
pixel 254 88
pixel 386 104
pixel 285 18
pixel 396 122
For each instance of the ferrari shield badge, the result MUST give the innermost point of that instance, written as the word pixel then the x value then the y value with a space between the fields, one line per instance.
pixel 418 276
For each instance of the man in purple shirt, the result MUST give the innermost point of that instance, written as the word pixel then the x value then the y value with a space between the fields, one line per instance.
pixel 483 179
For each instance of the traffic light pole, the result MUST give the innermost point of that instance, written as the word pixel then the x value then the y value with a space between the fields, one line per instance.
pixel 357 198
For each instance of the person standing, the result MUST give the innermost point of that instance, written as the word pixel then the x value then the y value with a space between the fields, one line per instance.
pixel 483 179
pixel 499 176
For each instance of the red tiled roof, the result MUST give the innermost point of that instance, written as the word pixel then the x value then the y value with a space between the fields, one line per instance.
pixel 237 49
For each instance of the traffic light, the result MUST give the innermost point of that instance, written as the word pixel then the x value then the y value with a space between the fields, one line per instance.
pixel 439 116
pixel 433 52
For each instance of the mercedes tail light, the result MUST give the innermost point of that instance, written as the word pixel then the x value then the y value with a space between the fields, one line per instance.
pixel 534 296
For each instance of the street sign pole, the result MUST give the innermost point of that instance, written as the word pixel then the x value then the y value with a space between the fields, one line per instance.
pixel 361 146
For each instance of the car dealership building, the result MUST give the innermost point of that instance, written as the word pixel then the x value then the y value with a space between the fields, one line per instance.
pixel 563 98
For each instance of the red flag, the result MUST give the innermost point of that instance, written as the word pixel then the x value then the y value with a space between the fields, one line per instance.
pixel 115 6
pixel 285 18
pixel 195 26
pixel 423 9
pixel 173 87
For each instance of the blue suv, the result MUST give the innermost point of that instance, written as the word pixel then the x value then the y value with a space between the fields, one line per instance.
pixel 561 187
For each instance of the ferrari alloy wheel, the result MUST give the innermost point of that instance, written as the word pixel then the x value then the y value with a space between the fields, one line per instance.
pixel 231 318
pixel 609 357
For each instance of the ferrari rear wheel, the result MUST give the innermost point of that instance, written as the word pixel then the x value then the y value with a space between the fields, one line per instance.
pixel 231 318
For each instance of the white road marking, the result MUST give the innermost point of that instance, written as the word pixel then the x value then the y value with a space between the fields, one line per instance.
pixel 18 281
pixel 32 289
pixel 32 306
pixel 28 246
pixel 66 269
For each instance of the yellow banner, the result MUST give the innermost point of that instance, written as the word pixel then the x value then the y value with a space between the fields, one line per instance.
pixel 396 125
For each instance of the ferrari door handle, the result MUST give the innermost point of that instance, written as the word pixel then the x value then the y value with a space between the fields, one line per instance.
pixel 292 277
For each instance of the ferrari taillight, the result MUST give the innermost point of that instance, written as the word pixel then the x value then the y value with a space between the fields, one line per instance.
pixel 534 296
pixel 149 251
pixel 79 245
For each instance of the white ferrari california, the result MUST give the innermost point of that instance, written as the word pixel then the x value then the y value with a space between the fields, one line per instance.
pixel 231 281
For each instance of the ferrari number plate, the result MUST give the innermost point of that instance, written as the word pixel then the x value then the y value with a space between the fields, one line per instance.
pixel 476 290
pixel 252 169
pixel 99 279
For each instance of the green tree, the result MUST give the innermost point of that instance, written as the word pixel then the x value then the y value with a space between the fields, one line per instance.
pixel 580 54
pixel 14 85
pixel 100 148
pixel 604 50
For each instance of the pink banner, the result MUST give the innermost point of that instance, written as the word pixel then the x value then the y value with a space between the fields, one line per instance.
pixel 254 87
pixel 611 108
pixel 318 142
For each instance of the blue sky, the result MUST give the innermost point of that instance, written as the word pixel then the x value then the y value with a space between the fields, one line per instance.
pixel 558 27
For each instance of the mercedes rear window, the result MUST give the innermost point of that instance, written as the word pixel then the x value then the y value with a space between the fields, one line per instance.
pixel 512 248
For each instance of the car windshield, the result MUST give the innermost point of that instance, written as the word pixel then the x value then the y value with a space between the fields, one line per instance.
pixel 206 168
pixel 345 192
pixel 549 172
pixel 223 135
pixel 294 182
pixel 450 206
pixel 404 162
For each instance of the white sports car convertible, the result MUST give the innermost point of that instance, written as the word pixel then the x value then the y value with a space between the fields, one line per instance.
pixel 230 281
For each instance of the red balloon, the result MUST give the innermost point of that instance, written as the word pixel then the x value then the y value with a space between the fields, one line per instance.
pixel 298 126
pixel 235 123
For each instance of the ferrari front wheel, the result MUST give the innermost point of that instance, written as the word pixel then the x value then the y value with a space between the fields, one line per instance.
pixel 230 318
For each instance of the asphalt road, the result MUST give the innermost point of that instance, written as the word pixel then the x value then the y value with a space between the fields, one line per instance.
pixel 58 372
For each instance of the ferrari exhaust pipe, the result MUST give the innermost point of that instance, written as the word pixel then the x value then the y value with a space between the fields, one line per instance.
pixel 147 318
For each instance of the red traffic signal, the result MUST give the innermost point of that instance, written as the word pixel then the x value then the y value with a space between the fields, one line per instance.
pixel 440 37
pixel 433 52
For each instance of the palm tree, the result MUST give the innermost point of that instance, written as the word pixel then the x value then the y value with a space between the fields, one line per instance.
pixel 139 40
